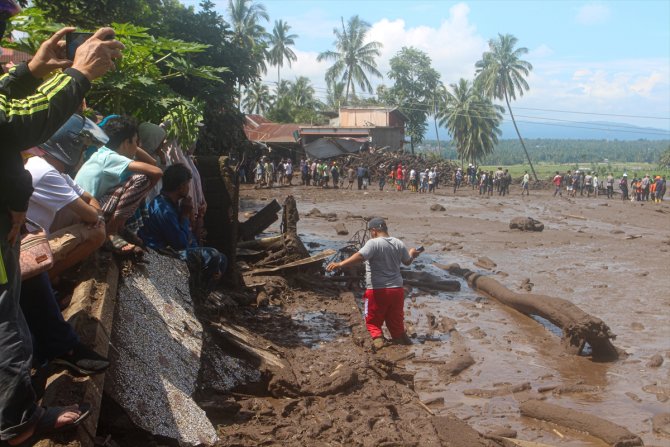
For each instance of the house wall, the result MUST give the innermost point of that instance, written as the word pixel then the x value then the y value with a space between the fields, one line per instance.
pixel 363 118
pixel 388 136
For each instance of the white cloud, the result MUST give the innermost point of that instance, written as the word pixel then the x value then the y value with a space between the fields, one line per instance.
pixel 542 51
pixel 453 47
pixel 593 13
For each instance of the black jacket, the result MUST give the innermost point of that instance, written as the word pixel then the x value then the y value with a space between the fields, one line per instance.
pixel 30 112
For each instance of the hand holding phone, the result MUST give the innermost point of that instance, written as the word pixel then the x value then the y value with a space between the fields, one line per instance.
pixel 73 41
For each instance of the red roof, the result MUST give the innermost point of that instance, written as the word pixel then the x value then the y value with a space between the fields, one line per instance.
pixel 259 128
pixel 13 56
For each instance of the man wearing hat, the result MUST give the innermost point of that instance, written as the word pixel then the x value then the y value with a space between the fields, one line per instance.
pixel 70 216
pixel 385 296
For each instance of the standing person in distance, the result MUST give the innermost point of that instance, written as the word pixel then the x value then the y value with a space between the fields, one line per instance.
pixel 384 298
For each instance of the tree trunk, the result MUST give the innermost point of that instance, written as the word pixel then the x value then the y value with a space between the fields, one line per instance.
pixel 437 134
pixel 523 145
pixel 578 327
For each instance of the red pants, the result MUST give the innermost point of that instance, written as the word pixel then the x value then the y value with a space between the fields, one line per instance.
pixel 385 305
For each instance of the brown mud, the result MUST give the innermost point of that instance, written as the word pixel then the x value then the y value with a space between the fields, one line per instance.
pixel 337 392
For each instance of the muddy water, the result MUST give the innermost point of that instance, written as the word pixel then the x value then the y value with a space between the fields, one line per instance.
pixel 587 261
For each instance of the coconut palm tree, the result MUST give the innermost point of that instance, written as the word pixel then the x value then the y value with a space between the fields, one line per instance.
pixel 245 18
pixel 353 56
pixel 501 73
pixel 471 118
pixel 280 41
pixel 257 98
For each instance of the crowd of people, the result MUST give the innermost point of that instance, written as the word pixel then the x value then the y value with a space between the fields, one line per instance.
pixel 586 182
pixel 337 174
pixel 114 183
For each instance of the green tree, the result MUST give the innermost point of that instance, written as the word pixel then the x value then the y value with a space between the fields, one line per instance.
pixel 334 95
pixel 501 73
pixel 280 42
pixel 353 56
pixel 245 18
pixel 413 90
pixel 472 120
pixel 664 159
pixel 257 98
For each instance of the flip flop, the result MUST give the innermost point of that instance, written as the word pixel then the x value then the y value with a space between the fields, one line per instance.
pixel 115 244
pixel 46 424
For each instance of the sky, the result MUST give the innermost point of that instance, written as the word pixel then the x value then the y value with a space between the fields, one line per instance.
pixel 593 61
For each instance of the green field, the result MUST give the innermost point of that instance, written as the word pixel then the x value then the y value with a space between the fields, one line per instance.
pixel 547 171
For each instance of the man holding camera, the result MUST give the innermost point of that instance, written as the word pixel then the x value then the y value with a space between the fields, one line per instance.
pixel 384 298
pixel 30 112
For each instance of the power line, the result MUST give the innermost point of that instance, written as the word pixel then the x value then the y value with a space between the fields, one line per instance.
pixel 595 113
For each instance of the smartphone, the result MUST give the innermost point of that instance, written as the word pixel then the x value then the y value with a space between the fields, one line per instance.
pixel 420 249
pixel 72 42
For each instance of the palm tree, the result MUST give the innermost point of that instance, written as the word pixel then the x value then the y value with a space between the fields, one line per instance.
pixel 280 41
pixel 472 120
pixel 245 16
pixel 334 94
pixel 501 73
pixel 257 98
pixel 353 57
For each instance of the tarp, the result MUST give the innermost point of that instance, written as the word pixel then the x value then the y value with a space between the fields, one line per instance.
pixel 325 148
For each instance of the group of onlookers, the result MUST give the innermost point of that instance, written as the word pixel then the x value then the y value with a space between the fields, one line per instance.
pixel 587 182
pixel 115 183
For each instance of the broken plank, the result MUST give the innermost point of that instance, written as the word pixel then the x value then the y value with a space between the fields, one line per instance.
pixel 260 221
pixel 319 257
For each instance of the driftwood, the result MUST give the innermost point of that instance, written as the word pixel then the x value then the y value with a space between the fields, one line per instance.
pixel 260 221
pixel 317 258
pixel 578 327
pixel 259 244
pixel 611 433
pixel 424 280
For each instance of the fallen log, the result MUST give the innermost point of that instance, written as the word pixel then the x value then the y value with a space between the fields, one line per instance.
pixel 424 280
pixel 259 244
pixel 613 434
pixel 578 327
pixel 260 221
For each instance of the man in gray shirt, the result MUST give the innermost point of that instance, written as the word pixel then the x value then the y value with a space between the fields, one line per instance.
pixel 384 298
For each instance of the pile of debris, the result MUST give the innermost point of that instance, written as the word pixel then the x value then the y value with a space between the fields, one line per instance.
pixel 380 163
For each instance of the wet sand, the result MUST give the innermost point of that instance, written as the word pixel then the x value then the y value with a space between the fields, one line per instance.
pixel 609 257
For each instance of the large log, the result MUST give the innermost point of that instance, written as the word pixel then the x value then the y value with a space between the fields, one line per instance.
pixel 613 434
pixel 578 327
pixel 257 223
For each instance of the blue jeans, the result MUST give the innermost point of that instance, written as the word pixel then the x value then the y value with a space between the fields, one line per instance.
pixel 206 260
pixel 17 397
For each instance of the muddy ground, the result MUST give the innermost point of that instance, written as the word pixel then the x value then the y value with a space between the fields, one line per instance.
pixel 609 257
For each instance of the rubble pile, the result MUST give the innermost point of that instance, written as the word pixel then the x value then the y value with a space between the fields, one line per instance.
pixel 379 163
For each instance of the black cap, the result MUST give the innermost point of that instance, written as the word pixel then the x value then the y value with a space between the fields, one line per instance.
pixel 377 223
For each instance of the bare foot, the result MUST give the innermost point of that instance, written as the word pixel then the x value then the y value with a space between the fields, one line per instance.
pixel 68 417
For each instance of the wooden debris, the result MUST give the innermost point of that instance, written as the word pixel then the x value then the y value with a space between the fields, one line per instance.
pixel 611 433
pixel 257 223
pixel 578 327
pixel 319 257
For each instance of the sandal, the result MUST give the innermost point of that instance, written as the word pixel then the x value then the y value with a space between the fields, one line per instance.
pixel 46 424
pixel 83 361
pixel 116 245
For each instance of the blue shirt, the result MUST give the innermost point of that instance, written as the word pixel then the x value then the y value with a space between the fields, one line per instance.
pixel 165 227
pixel 105 170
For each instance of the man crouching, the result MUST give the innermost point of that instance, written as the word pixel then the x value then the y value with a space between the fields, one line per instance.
pixel 384 296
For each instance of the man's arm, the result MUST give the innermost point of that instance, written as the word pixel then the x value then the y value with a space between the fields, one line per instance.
pixel 153 172
pixel 86 212
pixel 89 199
pixel 413 254
pixel 144 157
pixel 352 260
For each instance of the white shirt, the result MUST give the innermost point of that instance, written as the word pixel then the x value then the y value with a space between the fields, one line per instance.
pixel 412 174
pixel 288 167
pixel 53 191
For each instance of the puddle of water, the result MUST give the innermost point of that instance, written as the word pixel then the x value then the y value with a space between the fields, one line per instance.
pixel 315 328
